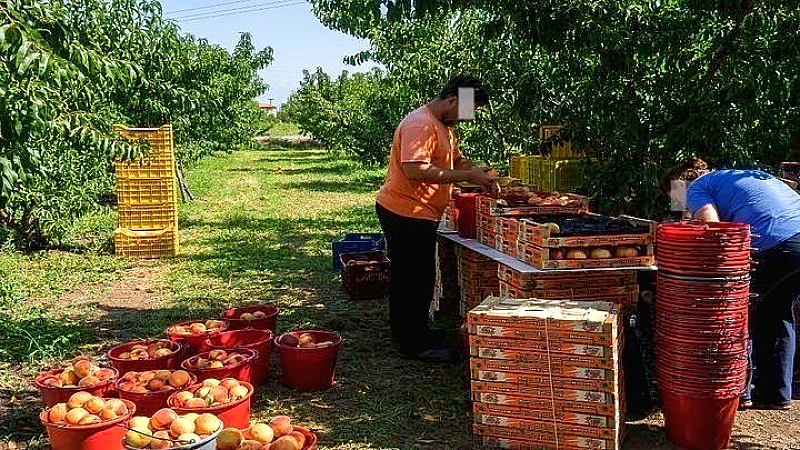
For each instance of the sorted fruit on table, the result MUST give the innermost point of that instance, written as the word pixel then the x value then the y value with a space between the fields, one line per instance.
pixel 599 253
pixel 576 254
pixel 196 328
pixel 165 427
pixel 83 408
pixel 626 252
pixel 154 381
pixel 211 393
pixel 305 340
pixel 215 359
pixel 82 372
pixel 158 349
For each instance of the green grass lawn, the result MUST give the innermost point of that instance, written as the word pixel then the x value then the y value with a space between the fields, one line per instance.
pixel 259 231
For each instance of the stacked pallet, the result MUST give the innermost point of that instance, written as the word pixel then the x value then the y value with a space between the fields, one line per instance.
pixel 546 374
pixel 477 278
pixel 147 197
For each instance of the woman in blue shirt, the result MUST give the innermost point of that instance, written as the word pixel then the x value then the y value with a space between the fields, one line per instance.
pixel 772 209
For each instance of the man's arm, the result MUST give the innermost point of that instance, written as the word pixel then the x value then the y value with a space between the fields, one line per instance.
pixel 707 213
pixel 463 164
pixel 432 173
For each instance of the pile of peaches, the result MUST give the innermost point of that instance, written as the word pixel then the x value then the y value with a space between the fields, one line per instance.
pixel 305 340
pixel 82 373
pixel 215 359
pixel 197 328
pixel 279 434
pixel 154 381
pixel 83 408
pixel 211 393
pixel 158 349
pixel 166 427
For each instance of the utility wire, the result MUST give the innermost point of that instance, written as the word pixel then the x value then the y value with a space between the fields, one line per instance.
pixel 210 6
pixel 242 12
pixel 225 11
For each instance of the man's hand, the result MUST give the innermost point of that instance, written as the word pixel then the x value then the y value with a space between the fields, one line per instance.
pixel 482 176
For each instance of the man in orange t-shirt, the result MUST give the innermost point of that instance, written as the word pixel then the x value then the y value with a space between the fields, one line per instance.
pixel 423 163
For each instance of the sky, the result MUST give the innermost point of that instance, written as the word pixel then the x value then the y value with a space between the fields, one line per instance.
pixel 298 39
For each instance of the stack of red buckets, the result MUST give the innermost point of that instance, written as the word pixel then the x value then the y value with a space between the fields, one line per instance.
pixel 703 292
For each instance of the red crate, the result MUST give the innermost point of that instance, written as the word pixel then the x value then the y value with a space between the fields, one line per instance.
pixel 365 275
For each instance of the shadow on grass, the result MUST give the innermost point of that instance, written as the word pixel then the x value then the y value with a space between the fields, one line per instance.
pixel 653 437
pixel 334 186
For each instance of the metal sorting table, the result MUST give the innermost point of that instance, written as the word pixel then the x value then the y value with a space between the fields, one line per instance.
pixel 514 263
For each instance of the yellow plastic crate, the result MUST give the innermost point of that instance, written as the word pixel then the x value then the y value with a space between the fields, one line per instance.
pixel 136 191
pixel 555 174
pixel 153 244
pixel 562 150
pixel 515 166
pixel 148 216
pixel 159 163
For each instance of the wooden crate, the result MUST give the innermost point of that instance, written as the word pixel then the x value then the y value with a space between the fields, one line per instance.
pixel 565 280
pixel 622 295
pixel 510 349
pixel 545 411
pixel 540 235
pixel 540 258
pixel 492 207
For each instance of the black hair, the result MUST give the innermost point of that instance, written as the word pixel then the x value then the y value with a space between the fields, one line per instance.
pixel 465 81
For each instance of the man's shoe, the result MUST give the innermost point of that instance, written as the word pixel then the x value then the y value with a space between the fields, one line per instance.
pixel 745 405
pixel 439 354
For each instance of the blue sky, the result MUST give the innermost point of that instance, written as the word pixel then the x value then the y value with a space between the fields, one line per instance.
pixel 298 39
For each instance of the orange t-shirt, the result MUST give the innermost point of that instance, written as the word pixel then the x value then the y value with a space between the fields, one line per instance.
pixel 420 137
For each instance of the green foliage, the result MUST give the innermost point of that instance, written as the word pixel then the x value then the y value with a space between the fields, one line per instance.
pixel 72 69
pixel 644 83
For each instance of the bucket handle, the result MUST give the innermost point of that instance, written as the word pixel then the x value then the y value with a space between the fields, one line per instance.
pixel 174 441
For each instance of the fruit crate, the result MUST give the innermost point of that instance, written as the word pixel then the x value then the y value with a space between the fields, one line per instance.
pixel 148 244
pixel 515 166
pixel 544 235
pixel 152 191
pixel 497 207
pixel 356 242
pixel 620 294
pixel 555 174
pixel 558 281
pixel 542 258
pixel 147 216
pixel 158 163
pixel 365 275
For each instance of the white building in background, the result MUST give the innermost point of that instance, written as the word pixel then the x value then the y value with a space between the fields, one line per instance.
pixel 268 108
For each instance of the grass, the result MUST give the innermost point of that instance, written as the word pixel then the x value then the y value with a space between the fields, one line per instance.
pixel 259 231
pixel 284 129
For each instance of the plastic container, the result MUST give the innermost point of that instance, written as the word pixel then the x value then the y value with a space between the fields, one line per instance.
pixel 233 415
pixel 698 423
pixel 356 242
pixel 194 343
pixel 265 323
pixel 465 206
pixel 99 436
pixel 148 244
pixel 147 216
pixel 148 403
pixel 258 340
pixel 311 438
pixel 209 443
pixel 365 275
pixel 170 362
pixel 52 395
pixel 309 369
pixel 241 371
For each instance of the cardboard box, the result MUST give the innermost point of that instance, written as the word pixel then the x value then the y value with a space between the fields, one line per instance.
pixel 539 392
pixel 566 280
pixel 487 393
pixel 539 439
pixel 558 429
pixel 547 413
pixel 517 349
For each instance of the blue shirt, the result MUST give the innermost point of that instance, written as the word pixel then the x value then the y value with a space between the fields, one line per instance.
pixel 749 196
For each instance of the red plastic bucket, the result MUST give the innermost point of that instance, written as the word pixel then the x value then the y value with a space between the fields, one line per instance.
pixel 265 323
pixel 698 423
pixel 309 369
pixel 311 438
pixel 170 362
pixel 52 395
pixel 147 403
pixel 99 436
pixel 465 213
pixel 258 340
pixel 241 371
pixel 195 343
pixel 233 415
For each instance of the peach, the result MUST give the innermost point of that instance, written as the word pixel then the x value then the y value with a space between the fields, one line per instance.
pixel 207 423
pixel 307 344
pixel 139 354
pixel 90 419
pixel 299 437
pixel 259 315
pixel 196 403
pixel 211 382
pixel 125 355
pixel 75 415
pixel 139 390
pixel 217 354
pixel 324 344
pixel 181 398
pixel 139 422
pixel 154 347
pixel 307 337
pixel 57 413
pixel 163 375
pixel 229 383
pixel 246 316
pixel 216 365
pixel 104 374
pixel 261 432
pixel 95 405
pixel 285 443
pixel 203 392
pixel 281 425
pixel 138 437
pixel 192 417
pixel 52 382
pixel 108 414
pixel 219 393
pixel 214 324
pixel 127 385
pixel 147 376
pixel 162 419
pixel 161 439
pixel 189 438
pixel 91 380
pixel 82 367
pixel 202 363
pixel 290 340
pixel 197 328
pixel 155 384
pixel 181 426
pixel 229 439
pixel 77 399
pixel 238 392
pixel 250 445
pixel 162 352
pixel 68 378
pixel 179 378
